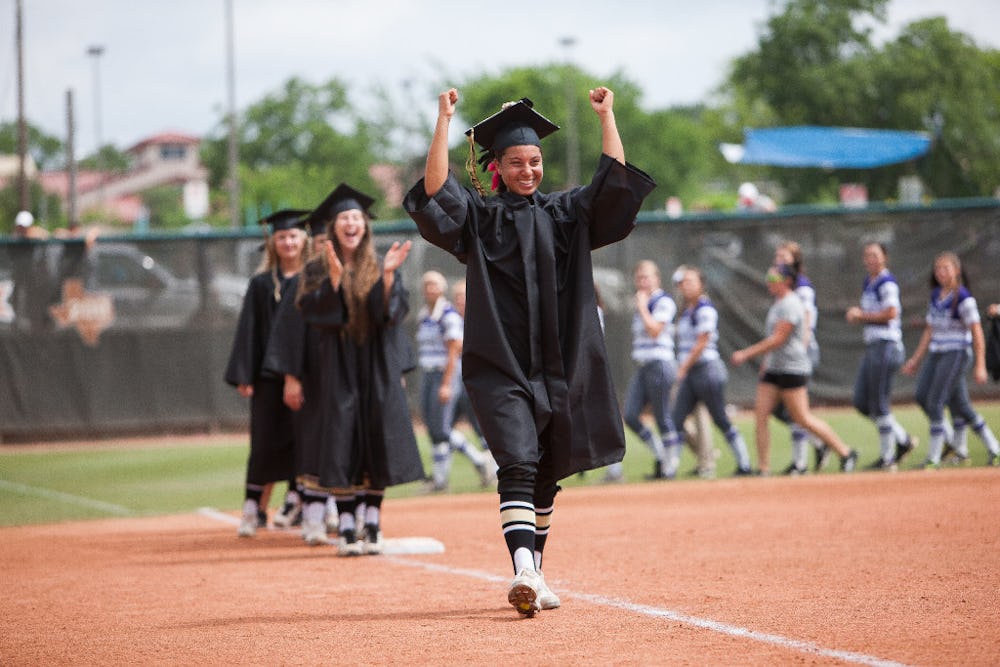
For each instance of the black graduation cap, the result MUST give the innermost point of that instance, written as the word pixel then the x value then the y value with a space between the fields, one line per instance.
pixel 286 218
pixel 518 124
pixel 343 198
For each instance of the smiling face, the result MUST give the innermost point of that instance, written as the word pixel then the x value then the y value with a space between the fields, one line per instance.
pixel 349 228
pixel 946 272
pixel 289 245
pixel 520 168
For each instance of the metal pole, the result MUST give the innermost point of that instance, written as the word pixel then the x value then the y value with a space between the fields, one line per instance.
pixel 23 199
pixel 233 148
pixel 71 215
pixel 572 135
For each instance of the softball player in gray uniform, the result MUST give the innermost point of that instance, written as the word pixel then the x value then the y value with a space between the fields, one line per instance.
pixel 653 353
pixel 880 313
pixel 442 327
pixel 952 342
pixel 701 375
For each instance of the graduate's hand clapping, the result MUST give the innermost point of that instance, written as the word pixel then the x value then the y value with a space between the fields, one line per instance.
pixel 396 255
pixel 336 269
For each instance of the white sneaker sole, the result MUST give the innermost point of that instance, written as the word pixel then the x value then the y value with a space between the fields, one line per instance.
pixel 524 598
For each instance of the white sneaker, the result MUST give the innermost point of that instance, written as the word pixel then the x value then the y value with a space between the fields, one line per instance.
pixel 314 533
pixel 348 544
pixel 546 598
pixel 373 544
pixel 248 521
pixel 332 522
pixel 523 592
pixel 290 513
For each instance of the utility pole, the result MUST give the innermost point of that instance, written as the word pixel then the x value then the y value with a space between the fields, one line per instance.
pixel 233 157
pixel 23 200
pixel 72 218
pixel 96 51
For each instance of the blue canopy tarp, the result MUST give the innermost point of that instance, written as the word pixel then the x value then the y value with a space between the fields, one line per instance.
pixel 826 147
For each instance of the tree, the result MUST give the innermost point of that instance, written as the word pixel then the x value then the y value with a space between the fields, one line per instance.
pixel 934 78
pixel 816 64
pixel 673 146
pixel 107 159
pixel 296 145
pixel 47 151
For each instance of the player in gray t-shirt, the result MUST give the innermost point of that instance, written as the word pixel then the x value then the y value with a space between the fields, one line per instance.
pixel 785 370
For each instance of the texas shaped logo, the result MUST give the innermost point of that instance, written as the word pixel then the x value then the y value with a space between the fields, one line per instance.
pixel 89 312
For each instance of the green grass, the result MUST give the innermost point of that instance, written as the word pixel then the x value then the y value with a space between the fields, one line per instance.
pixel 68 483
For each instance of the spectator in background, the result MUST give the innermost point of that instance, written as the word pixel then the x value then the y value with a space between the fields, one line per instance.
pixel 752 200
pixel 272 443
pixel 25 227
pixel 880 314
pixel 951 343
pixel 784 372
pixel 32 290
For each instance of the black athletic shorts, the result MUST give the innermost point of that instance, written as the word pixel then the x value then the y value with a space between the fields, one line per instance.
pixel 785 380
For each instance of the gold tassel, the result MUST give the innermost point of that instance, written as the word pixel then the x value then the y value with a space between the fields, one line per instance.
pixel 472 165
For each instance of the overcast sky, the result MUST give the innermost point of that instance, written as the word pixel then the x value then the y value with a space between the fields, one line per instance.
pixel 164 64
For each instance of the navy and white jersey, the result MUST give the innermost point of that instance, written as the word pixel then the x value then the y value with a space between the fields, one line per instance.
pixel 437 327
pixel 694 321
pixel 877 294
pixel 646 348
pixel 804 288
pixel 949 317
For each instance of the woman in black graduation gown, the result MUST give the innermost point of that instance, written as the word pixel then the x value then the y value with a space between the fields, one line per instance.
pixel 271 439
pixel 293 353
pixel 358 305
pixel 534 361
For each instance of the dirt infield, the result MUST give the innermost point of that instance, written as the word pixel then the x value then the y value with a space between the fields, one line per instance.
pixel 831 569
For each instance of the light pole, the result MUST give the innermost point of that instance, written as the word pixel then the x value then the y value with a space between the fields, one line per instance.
pixel 23 200
pixel 232 152
pixel 572 136
pixel 96 51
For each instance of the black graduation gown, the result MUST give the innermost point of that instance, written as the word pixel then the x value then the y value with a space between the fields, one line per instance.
pixel 272 441
pixel 534 361
pixel 367 431
pixel 293 349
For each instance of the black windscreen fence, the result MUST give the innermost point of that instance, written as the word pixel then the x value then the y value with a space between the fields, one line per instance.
pixel 131 335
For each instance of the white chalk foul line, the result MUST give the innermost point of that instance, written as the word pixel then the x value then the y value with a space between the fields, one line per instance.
pixel 67 498
pixel 625 605
pixel 679 617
